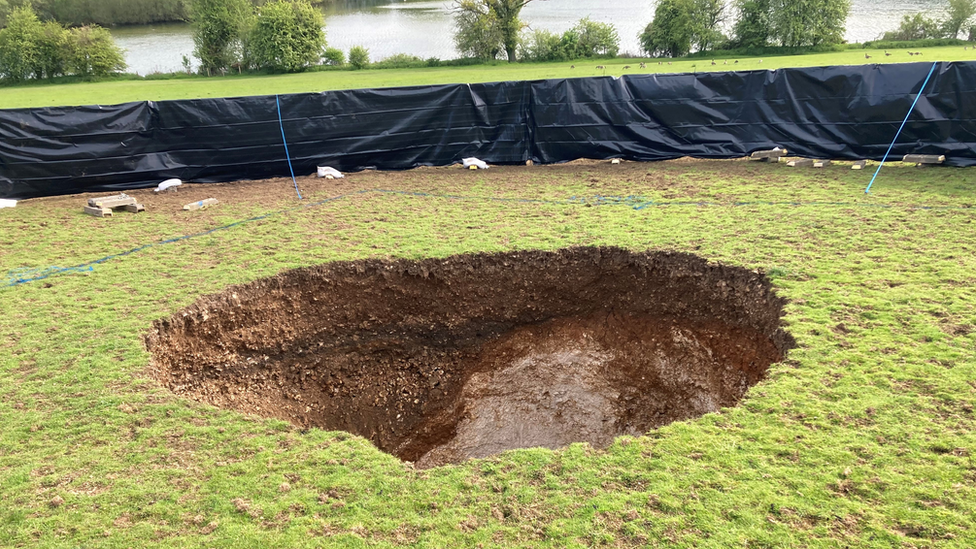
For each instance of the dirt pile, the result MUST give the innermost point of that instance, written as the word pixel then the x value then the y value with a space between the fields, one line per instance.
pixel 441 360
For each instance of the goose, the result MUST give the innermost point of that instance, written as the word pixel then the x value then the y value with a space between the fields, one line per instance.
pixel 572 66
pixel 736 62
pixel 866 56
pixel 626 67
pixel 714 63
pixel 887 54
pixel 643 65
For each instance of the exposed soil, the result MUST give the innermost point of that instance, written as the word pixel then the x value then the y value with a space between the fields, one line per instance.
pixel 441 360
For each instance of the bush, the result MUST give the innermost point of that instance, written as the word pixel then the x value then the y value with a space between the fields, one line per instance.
pixel 20 45
pixel 591 38
pixel 399 61
pixel 433 62
pixel 542 45
pixel 217 26
pixel 915 27
pixel 93 53
pixel 358 57
pixel 334 57
pixel 287 36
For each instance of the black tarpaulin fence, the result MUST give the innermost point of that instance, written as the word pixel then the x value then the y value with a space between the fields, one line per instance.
pixel 849 112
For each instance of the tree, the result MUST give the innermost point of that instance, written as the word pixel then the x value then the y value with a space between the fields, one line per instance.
pixel 94 53
pixel 53 50
pixel 960 11
pixel 670 32
pixel 20 55
pixel 915 27
pixel 217 26
pixel 485 27
pixel 754 27
pixel 798 23
pixel 591 38
pixel 706 16
pixel 287 36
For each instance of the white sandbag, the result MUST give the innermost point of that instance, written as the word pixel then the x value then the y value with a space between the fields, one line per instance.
pixel 330 173
pixel 168 184
pixel 7 203
pixel 480 164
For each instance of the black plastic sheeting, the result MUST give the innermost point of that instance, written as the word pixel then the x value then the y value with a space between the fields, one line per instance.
pixel 849 112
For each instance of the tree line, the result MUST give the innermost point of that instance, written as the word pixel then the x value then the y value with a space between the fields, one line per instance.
pixel 488 29
pixel 30 48
pixel 108 13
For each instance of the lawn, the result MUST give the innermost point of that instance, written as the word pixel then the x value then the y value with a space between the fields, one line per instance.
pixel 113 92
pixel 862 437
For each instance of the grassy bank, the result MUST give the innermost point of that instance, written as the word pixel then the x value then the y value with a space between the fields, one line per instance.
pixel 106 93
pixel 863 437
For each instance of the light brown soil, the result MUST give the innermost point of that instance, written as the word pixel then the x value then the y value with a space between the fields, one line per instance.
pixel 441 360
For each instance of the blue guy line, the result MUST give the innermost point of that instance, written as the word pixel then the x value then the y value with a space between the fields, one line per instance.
pixel 932 70
pixel 285 141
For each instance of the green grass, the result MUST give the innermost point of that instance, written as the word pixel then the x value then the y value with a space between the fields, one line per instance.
pixel 863 437
pixel 106 93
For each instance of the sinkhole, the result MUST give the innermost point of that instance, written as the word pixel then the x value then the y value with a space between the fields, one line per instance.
pixel 441 360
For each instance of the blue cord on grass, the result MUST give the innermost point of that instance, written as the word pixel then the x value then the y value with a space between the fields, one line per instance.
pixel 868 190
pixel 285 141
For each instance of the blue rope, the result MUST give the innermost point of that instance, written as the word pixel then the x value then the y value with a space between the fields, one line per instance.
pixel 20 276
pixel 932 70
pixel 285 141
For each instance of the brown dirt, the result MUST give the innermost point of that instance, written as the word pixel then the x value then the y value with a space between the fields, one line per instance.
pixel 441 360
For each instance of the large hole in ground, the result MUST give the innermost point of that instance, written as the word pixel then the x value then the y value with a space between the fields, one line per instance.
pixel 441 360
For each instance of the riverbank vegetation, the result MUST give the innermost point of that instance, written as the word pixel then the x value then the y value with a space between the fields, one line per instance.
pixel 413 71
pixel 32 49
pixel 110 13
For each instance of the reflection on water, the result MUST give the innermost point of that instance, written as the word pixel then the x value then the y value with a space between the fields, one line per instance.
pixel 425 27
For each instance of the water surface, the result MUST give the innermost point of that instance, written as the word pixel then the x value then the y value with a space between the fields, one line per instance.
pixel 425 27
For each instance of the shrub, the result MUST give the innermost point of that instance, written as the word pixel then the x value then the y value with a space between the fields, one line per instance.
pixel 591 38
pixel 334 57
pixel 287 36
pixel 543 45
pixel 20 53
pixel 217 26
pixel 93 53
pixel 358 57
pixel 399 61
pixel 433 62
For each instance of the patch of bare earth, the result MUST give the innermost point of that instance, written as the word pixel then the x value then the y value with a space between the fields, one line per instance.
pixel 441 360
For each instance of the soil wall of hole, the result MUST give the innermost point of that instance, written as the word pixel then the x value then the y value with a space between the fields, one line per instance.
pixel 440 360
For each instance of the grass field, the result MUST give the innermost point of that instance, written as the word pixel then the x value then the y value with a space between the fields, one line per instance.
pixel 107 93
pixel 862 437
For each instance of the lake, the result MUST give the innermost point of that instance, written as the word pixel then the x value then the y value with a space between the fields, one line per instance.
pixel 425 27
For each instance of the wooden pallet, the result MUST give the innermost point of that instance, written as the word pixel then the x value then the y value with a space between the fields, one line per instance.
pixel 104 205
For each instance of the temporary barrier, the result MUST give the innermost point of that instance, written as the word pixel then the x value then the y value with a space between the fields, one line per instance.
pixel 848 112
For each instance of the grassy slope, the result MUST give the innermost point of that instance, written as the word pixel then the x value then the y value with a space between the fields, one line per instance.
pixel 863 437
pixel 106 93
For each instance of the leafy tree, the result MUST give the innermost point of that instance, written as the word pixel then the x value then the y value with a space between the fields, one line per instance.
pixel 706 17
pixel 20 51
pixel 287 36
pixel 915 27
pixel 483 28
pixel 960 12
pixel 670 32
pixel 543 45
pixel 53 49
pixel 94 53
pixel 358 57
pixel 218 26
pixel 798 23
pixel 590 38
pixel 754 27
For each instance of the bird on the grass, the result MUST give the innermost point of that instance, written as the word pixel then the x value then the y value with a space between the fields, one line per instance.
pixel 866 56
pixel 572 66
pixel 626 67
pixel 643 65
pixel 887 54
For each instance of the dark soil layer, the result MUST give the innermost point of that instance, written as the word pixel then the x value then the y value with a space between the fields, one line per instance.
pixel 441 360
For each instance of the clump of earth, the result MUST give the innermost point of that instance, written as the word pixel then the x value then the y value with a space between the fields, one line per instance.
pixel 441 360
